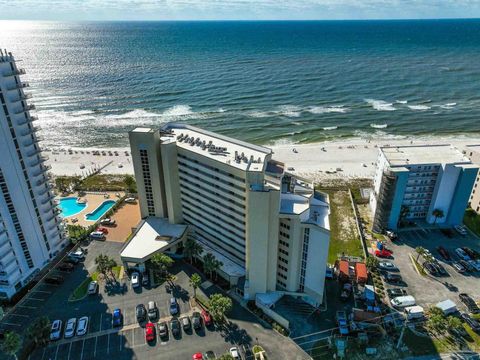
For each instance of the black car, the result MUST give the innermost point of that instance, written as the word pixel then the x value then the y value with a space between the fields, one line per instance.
pixel 66 267
pixel 466 265
pixel 392 278
pixel 474 324
pixel 175 326
pixel 54 279
pixel 396 292
pixel 444 253
pixel 196 320
pixel 162 329
pixel 447 232
pixel 469 303
pixel 440 269
pixel 470 252
pixel 72 261
pixel 430 268
pixel 145 279
pixel 141 312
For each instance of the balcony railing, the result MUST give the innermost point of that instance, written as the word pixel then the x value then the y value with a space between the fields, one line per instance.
pixel 29 118
pixel 15 72
pixel 23 96
pixel 49 197
pixel 26 108
pixel 34 152
pixel 21 85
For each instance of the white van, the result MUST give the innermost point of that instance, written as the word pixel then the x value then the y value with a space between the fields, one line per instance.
pixel 414 312
pixel 403 301
pixel 97 235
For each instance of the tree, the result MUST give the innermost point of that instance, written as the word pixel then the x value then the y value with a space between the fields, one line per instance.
pixel 404 212
pixel 226 356
pixel 420 251
pixel 195 282
pixel 161 262
pixel 192 249
pixel 110 264
pixel 436 320
pixel 372 263
pixel 11 343
pixel 130 183
pixel 211 264
pixel 39 330
pixel 102 264
pixel 454 323
pixel 220 306
pixel 438 214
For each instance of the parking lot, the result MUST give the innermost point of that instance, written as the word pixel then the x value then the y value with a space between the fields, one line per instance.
pixel 429 289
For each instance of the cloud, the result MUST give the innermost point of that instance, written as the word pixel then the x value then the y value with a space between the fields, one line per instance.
pixel 235 9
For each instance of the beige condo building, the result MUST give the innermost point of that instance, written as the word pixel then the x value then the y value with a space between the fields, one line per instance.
pixel 269 228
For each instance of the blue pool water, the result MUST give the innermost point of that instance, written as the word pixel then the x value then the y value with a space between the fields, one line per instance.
pixel 70 207
pixel 100 210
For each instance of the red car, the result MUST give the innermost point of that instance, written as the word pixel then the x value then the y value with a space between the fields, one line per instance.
pixel 207 318
pixel 149 332
pixel 103 230
pixel 384 253
pixel 197 356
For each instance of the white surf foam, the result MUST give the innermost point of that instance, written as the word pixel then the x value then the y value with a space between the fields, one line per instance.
pixel 448 106
pixel 401 101
pixel 380 105
pixel 379 126
pixel 329 128
pixel 419 107
pixel 328 109
pixel 289 110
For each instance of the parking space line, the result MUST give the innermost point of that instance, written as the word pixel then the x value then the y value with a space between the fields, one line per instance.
pixel 108 344
pixel 43 355
pixel 11 324
pixel 69 349
pixel 83 345
pixel 26 306
pixel 56 352
pixel 101 322
pixel 32 298
pixel 42 291
pixel 133 338
pixel 95 350
pixel 20 315
pixel 121 338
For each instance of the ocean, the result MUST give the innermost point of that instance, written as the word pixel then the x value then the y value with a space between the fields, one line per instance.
pixel 268 82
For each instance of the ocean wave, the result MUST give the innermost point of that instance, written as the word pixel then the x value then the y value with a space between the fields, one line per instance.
pixel 419 107
pixel 328 109
pixel 329 128
pixel 401 101
pixel 379 126
pixel 448 106
pixel 289 110
pixel 380 105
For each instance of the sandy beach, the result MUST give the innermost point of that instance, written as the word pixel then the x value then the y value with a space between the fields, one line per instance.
pixel 342 159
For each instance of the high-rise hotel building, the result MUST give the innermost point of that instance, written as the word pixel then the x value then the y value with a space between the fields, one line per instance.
pixel 31 230
pixel 269 228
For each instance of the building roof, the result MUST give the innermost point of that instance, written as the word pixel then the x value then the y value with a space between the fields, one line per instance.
pixel 229 267
pixel 312 209
pixel 153 234
pixel 217 147
pixel 423 154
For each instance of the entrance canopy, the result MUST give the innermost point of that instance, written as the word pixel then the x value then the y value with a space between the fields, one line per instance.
pixel 153 235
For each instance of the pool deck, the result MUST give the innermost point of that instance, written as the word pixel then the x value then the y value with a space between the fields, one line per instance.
pixel 93 201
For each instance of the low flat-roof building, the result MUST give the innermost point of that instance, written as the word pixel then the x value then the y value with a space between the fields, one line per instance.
pixel 268 228
pixel 473 153
pixel 429 183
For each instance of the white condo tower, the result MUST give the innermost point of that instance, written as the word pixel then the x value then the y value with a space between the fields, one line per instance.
pixel 31 229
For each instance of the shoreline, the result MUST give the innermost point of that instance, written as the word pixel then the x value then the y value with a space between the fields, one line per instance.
pixel 345 159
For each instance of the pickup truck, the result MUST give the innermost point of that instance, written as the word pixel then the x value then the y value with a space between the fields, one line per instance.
pixel 342 322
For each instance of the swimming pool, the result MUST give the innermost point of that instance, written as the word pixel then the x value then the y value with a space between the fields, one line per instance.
pixel 100 210
pixel 70 207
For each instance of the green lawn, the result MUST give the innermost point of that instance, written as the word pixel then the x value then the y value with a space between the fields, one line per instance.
pixel 472 220
pixel 344 237
pixel 81 290
pixel 103 182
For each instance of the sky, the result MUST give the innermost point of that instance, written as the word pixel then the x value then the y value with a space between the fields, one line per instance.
pixel 71 10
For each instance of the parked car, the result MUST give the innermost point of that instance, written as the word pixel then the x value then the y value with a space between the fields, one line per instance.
pixel 447 232
pixel 130 200
pixel 474 324
pixel 462 254
pixel 440 269
pixel 469 303
pixel 173 306
pixel 152 310
pixel 145 278
pixel 82 326
pixel 185 321
pixel 461 230
pixel 92 288
pixel 475 264
pixel 342 322
pixel 391 235
pixel 403 301
pixel 470 252
pixel 135 279
pixel 234 353
pixel 162 329
pixel 70 328
pixel 196 320
pixel 386 265
pixel 56 330
pixel 346 291
pixel 77 254
pixel 103 230
pixel 384 253
pixel 73 261
pixel 210 355
pixel 459 267
pixel 329 272
pixel 66 267
pixel 141 312
pixel 97 235
pixel 197 356
pixel 392 278
pixel 117 318
pixel 396 292
pixel 149 332
pixel 466 265
pixel 54 279
pixel 108 222
pixel 431 269
pixel 443 253
pixel 175 326
pixel 207 318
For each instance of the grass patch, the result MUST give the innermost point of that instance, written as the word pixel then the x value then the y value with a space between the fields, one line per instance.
pixel 474 345
pixel 472 221
pixel 344 237
pixel 81 290
pixel 417 265
pixel 103 182
pixel 419 345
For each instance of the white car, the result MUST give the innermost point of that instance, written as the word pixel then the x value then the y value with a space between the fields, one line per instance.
pixel 462 254
pixel 461 230
pixel 82 326
pixel 56 330
pixel 385 265
pixel 70 328
pixel 77 254
pixel 92 288
pixel 97 235
pixel 130 200
pixel 234 353
pixel 135 279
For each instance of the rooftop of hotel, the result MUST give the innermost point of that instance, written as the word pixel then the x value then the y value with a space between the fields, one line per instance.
pixel 423 154
pixel 312 209
pixel 233 152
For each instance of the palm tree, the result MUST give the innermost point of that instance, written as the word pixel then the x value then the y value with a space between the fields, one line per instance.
pixel 192 249
pixel 420 251
pixel 454 323
pixel 110 264
pixel 11 343
pixel 211 264
pixel 219 306
pixel 195 282
pixel 372 263
pixel 438 214
pixel 161 262
pixel 102 264
pixel 39 330
pixel 404 211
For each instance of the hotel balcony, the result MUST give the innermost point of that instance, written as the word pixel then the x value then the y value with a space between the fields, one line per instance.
pixel 47 199
pixel 36 139
pixel 34 152
pixel 15 72
pixel 21 85
pixel 26 108
pixel 29 118
pixel 23 96
pixel 29 131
